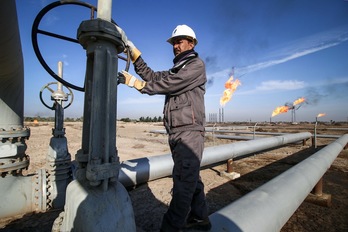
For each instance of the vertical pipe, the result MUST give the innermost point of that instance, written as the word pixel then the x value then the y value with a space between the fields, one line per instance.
pixel 99 153
pixel 60 74
pixel 12 132
pixel 58 98
pixel 11 68
pixel 103 105
pixel 96 186
pixel 104 10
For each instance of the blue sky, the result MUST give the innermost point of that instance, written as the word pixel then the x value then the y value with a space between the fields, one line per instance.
pixel 281 50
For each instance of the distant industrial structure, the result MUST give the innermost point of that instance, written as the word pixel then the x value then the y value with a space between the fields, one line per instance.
pixel 214 117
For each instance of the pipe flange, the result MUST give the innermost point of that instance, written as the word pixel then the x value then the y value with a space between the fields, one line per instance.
pixel 13 166
pixel 40 190
pixel 14 133
pixel 98 29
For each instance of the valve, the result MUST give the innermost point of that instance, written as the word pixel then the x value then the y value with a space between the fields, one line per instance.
pixel 58 96
pixel 34 36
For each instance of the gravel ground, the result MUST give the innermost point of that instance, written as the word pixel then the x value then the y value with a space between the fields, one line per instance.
pixel 151 200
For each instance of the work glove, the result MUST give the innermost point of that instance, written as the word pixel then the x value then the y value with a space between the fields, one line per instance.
pixel 123 35
pixel 134 52
pixel 130 80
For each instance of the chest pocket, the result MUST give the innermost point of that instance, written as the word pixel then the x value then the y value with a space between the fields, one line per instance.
pixel 181 111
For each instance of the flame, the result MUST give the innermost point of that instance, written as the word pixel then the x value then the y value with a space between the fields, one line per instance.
pixel 230 86
pixel 320 115
pixel 280 110
pixel 284 109
pixel 299 101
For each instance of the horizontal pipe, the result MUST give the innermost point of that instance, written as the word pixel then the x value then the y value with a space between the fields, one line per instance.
pixel 339 129
pixel 234 137
pixel 227 151
pixel 247 132
pixel 16 195
pixel 238 137
pixel 270 206
pixel 230 127
pixel 145 169
pixel 328 136
pixel 272 133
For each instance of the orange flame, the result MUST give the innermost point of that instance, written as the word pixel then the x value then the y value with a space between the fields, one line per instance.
pixel 320 115
pixel 299 101
pixel 280 110
pixel 230 86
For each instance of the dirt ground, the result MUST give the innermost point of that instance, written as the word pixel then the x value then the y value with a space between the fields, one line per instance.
pixel 150 200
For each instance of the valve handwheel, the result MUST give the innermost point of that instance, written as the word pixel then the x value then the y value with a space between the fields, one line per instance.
pixel 47 86
pixel 35 31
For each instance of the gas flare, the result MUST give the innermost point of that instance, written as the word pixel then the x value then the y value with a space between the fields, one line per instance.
pixel 231 86
pixel 299 101
pixel 284 109
pixel 280 110
pixel 320 115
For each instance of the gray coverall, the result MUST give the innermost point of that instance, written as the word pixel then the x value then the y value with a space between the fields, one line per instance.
pixel 184 120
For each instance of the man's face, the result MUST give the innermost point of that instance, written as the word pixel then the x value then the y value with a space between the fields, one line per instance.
pixel 182 44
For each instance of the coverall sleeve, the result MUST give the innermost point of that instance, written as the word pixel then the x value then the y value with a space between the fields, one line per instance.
pixel 190 76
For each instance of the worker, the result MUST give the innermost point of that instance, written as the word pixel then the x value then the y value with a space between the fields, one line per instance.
pixel 184 119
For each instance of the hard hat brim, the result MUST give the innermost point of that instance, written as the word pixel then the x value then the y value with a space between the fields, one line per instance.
pixel 171 39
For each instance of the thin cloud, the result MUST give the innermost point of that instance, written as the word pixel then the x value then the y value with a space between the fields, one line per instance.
pixel 224 73
pixel 281 85
pixel 263 65
pixel 50 20
pixel 285 85
pixel 301 48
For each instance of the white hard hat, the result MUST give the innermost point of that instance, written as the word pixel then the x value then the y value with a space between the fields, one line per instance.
pixel 183 31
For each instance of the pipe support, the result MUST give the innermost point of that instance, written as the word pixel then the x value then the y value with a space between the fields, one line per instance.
pixel 274 202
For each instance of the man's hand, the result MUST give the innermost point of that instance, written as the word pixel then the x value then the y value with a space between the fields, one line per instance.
pixel 134 52
pixel 130 80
